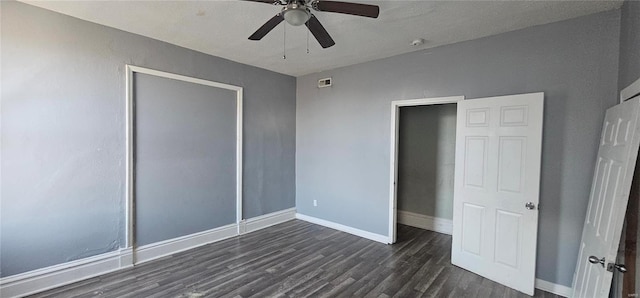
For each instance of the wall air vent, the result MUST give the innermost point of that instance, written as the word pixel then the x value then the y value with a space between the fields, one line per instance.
pixel 324 83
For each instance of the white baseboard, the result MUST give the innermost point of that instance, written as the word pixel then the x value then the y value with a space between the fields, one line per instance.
pixel 267 220
pixel 550 287
pixel 168 247
pixel 436 224
pixel 343 228
pixel 58 275
pixel 164 248
pixel 63 274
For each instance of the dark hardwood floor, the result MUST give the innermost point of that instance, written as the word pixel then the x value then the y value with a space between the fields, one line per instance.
pixel 299 259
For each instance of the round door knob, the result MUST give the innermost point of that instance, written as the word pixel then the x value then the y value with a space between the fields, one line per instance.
pixel 530 205
pixel 595 260
pixel 620 268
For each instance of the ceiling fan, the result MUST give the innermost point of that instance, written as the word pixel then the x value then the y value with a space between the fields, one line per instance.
pixel 298 12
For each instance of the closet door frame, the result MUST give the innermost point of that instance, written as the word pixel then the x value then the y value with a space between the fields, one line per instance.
pixel 393 167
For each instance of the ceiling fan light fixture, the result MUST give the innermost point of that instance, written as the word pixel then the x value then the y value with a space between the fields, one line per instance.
pixel 296 15
pixel 298 12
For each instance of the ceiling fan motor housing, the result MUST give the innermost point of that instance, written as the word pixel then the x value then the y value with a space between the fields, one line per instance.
pixel 296 13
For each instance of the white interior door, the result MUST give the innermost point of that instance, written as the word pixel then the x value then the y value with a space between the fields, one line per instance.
pixel 497 179
pixel 608 201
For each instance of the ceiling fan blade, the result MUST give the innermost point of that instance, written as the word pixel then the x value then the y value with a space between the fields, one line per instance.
pixel 265 1
pixel 319 32
pixel 356 9
pixel 267 27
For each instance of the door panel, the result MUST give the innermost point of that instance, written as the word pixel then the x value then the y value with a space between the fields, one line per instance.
pixel 511 168
pixel 472 228
pixel 477 117
pixel 514 115
pixel 475 161
pixel 507 233
pixel 608 200
pixel 498 152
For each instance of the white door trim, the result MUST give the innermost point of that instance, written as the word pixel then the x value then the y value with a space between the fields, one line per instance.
pixel 130 199
pixel 393 157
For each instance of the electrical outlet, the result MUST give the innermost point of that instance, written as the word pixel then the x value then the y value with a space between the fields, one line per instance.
pixel 315 203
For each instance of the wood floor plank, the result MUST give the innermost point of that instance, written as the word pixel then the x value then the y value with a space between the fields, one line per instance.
pixel 299 259
pixel 438 282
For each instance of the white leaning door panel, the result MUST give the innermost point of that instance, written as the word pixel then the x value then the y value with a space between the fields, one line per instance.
pixel 497 175
pixel 617 154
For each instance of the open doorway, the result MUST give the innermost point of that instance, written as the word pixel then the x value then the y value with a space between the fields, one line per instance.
pixel 426 163
pixel 423 154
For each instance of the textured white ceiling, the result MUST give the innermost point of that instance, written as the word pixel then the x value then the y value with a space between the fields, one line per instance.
pixel 221 28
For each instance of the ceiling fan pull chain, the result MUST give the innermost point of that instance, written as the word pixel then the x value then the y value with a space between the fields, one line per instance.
pixel 307 39
pixel 284 42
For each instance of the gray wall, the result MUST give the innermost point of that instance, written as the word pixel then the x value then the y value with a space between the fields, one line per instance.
pixel 342 133
pixel 185 158
pixel 63 124
pixel 426 159
pixel 629 69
